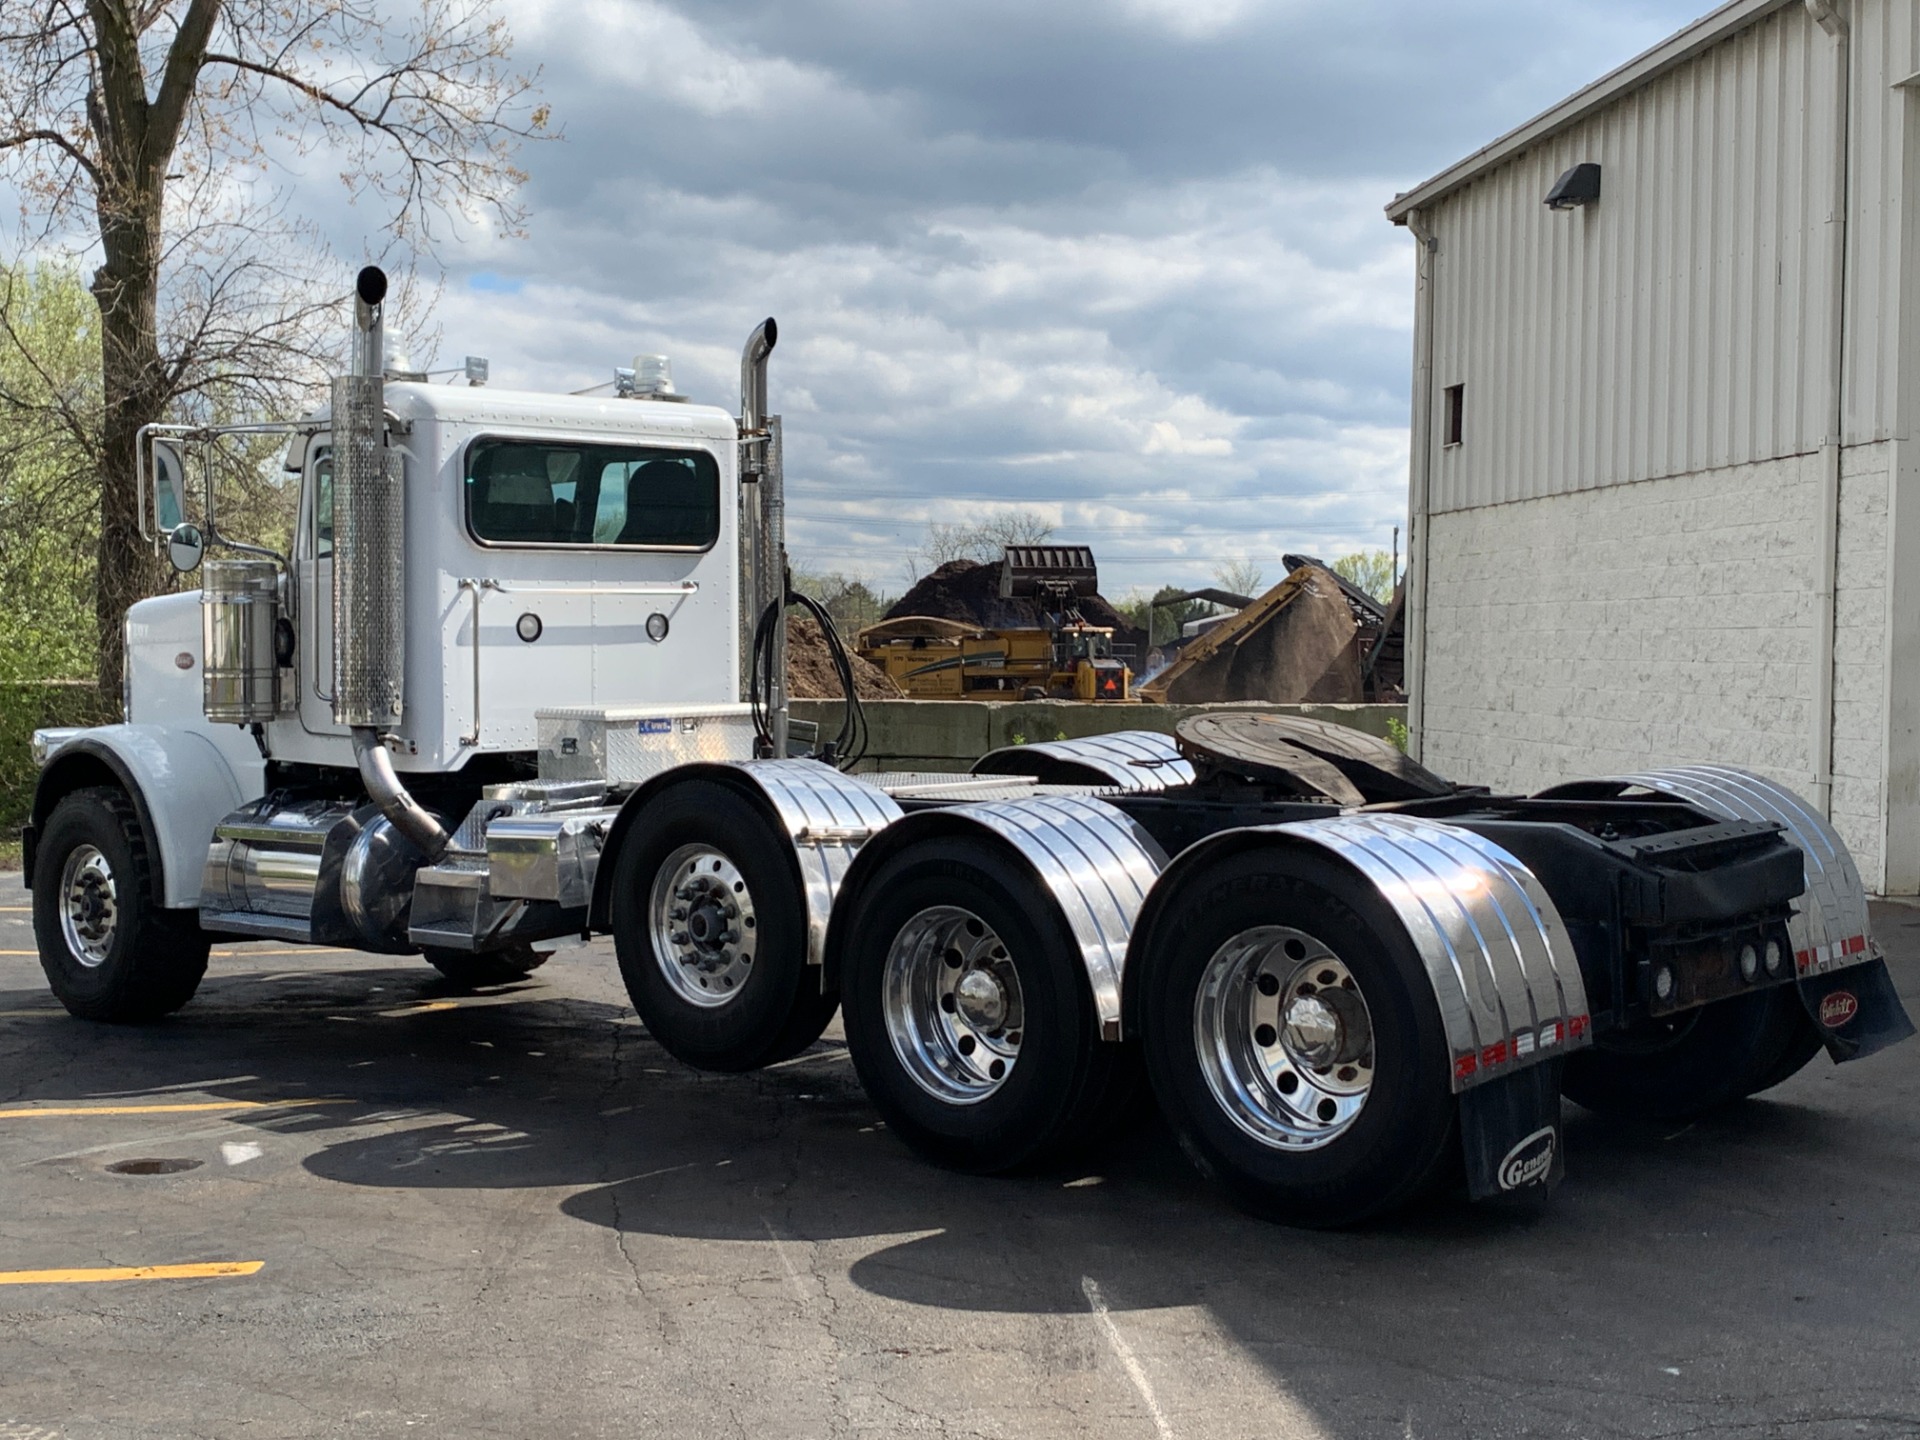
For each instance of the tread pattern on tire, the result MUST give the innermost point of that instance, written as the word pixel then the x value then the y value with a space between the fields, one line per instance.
pixel 1101 1079
pixel 172 951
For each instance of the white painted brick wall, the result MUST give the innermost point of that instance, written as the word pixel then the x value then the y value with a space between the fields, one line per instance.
pixel 1660 623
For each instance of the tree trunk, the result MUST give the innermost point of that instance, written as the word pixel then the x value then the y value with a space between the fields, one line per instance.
pixel 126 289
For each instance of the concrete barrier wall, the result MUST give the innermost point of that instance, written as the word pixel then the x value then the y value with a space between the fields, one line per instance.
pixel 952 734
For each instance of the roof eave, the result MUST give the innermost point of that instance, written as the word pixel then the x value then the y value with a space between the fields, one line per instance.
pixel 1676 50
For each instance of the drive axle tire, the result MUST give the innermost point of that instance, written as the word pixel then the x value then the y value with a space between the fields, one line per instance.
pixel 1293 1041
pixel 110 951
pixel 711 932
pixel 1697 1061
pixel 489 967
pixel 968 1014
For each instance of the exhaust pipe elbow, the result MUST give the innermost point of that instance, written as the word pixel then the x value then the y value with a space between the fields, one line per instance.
pixel 386 791
pixel 753 376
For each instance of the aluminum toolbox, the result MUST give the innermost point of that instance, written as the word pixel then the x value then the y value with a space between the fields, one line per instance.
pixel 635 743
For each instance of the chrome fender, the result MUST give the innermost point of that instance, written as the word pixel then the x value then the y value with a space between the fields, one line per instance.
pixel 825 816
pixel 1495 950
pixel 1096 863
pixel 1829 930
pixel 1136 761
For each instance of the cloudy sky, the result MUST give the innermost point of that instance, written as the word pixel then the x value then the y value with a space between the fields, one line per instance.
pixel 1123 261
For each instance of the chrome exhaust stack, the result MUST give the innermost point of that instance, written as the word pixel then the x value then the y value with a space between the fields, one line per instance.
pixel 763 525
pixel 369 569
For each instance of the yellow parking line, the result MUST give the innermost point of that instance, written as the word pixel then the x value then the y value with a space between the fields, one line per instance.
pixel 16 909
pixel 131 1272
pixel 29 1014
pixel 19 952
pixel 197 1105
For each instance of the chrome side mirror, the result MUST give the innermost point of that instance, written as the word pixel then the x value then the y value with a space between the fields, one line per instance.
pixel 185 546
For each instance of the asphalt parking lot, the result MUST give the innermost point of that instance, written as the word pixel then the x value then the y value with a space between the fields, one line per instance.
pixel 409 1211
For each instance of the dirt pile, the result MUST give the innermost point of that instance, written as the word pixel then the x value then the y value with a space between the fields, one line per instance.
pixel 810 672
pixel 970 591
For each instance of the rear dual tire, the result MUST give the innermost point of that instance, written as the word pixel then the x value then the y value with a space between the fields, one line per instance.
pixel 717 1003
pixel 1254 1077
pixel 968 1013
pixel 1697 1062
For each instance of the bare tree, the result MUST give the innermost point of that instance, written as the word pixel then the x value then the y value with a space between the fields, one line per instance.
pixel 982 539
pixel 1242 577
pixel 145 135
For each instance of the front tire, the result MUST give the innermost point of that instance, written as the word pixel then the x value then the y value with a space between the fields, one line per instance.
pixel 474 970
pixel 110 952
pixel 711 932
pixel 968 1014
pixel 1294 1044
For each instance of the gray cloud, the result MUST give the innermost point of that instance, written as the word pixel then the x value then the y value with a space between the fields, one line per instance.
pixel 1120 259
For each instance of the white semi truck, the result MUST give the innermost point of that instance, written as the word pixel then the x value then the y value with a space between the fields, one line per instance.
pixel 520 678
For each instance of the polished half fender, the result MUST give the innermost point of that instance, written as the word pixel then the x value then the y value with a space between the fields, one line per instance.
pixel 1095 861
pixel 826 816
pixel 1829 931
pixel 1856 1011
pixel 1495 950
pixel 1136 761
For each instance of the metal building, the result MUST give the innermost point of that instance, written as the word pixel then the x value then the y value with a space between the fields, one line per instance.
pixel 1665 486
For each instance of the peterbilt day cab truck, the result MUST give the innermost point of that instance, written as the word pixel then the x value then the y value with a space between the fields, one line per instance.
pixel 520 678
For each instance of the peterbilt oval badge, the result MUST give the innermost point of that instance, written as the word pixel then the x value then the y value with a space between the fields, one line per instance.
pixel 1529 1162
pixel 184 660
pixel 1838 1008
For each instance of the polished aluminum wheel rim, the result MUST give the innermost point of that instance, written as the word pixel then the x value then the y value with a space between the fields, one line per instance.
pixel 705 932
pixel 1284 1038
pixel 89 906
pixel 952 1004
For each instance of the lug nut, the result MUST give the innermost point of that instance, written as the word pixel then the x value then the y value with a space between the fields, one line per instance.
pixel 679 937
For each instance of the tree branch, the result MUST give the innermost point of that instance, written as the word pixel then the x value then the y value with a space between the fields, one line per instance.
pixel 59 142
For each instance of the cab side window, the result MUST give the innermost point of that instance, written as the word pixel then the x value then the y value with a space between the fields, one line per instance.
pixel 521 492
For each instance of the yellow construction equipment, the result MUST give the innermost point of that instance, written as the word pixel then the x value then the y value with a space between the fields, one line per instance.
pixel 1066 658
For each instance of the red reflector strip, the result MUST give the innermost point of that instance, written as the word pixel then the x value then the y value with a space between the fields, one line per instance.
pixel 1855 944
pixel 1578 1025
pixel 1465 1065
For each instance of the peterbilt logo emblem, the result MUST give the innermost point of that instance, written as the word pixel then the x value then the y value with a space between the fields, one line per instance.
pixel 1838 1008
pixel 1529 1162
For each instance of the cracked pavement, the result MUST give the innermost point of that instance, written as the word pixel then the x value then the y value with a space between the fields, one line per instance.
pixel 522 1217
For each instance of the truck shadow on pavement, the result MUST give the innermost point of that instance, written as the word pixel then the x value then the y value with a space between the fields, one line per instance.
pixel 1659 1240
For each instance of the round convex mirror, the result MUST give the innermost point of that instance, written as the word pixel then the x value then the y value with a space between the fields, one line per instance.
pixel 185 546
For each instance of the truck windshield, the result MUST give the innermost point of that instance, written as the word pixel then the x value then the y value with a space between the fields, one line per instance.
pixel 523 492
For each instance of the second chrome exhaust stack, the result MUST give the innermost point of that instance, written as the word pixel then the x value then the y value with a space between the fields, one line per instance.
pixel 370 568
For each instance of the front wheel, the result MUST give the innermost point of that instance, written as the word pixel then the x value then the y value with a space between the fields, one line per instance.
pixel 109 950
pixel 474 969
pixel 1293 1041
pixel 969 1018
pixel 711 931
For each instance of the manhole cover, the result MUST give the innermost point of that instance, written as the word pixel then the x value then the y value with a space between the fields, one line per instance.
pixel 170 1166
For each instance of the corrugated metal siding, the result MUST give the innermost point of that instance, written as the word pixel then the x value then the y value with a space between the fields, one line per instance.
pixel 1681 324
pixel 1886 51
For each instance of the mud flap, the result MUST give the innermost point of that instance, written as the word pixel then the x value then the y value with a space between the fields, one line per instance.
pixel 1856 1010
pixel 1510 1133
